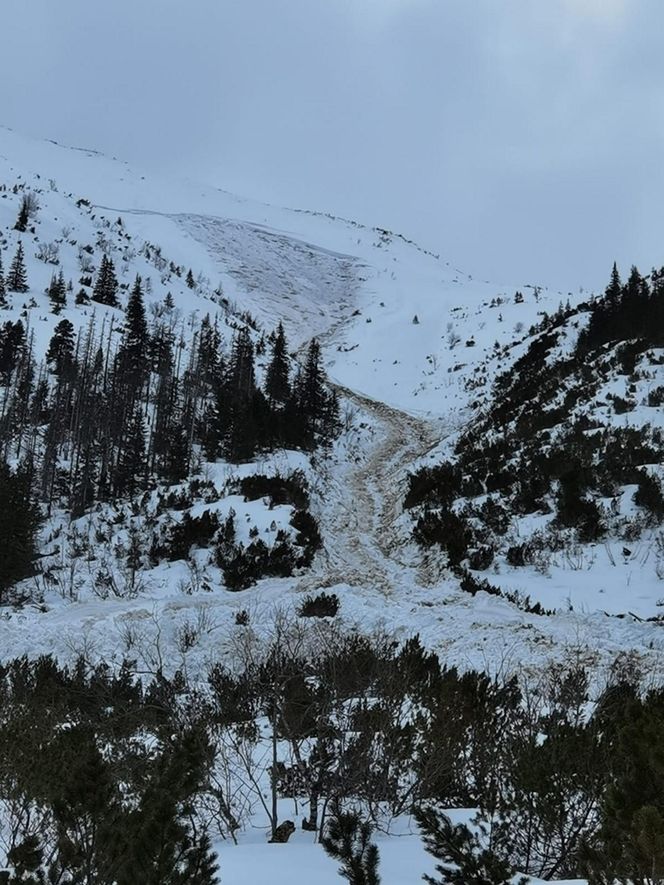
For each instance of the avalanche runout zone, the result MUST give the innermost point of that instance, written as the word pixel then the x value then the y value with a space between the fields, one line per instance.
pixel 364 546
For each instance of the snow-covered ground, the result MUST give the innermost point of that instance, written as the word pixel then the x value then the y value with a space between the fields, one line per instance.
pixel 403 862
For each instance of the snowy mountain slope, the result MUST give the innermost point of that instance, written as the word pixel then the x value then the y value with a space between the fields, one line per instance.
pixel 265 261
pixel 357 288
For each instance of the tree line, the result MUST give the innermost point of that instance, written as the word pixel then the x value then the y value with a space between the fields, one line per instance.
pixel 633 309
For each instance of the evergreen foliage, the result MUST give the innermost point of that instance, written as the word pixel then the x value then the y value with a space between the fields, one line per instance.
pixel 93 801
pixel 133 355
pixel 111 779
pixel 317 410
pixel 277 383
pixel 131 465
pixel 106 285
pixel 649 495
pixel 60 353
pixel 23 216
pixel 464 858
pixel 19 520
pixel 12 348
pixel 348 840
pixel 633 310
pixel 57 292
pixel 534 450
pixel 324 605
pixel 3 288
pixel 290 489
pixel 104 418
pixel 17 279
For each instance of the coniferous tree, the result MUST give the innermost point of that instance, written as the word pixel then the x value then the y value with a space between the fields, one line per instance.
pixel 23 216
pixel 176 459
pixel 164 848
pixel 133 361
pixel 39 413
pixel 614 288
pixel 3 289
pixel 209 353
pixel 106 285
pixel 213 426
pixel 57 292
pixel 634 310
pixel 60 353
pixel 240 388
pixel 164 401
pixel 17 279
pixel 629 844
pixel 131 459
pixel 348 840
pixel 464 859
pixel 277 383
pixel 12 344
pixel 316 407
pixel 632 313
pixel 19 520
pixel 656 307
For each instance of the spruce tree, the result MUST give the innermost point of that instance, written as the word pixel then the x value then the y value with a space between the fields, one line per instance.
pixel 277 384
pixel 3 290
pixel 614 288
pixel 209 352
pixel 631 318
pixel 57 293
pixel 240 387
pixel 133 360
pixel 106 285
pixel 19 519
pixel 315 406
pixel 23 216
pixel 60 353
pixel 17 280
pixel 12 346
pixel 164 400
pixel 131 458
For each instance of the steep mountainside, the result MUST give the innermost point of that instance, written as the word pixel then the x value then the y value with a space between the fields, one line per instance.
pixel 424 360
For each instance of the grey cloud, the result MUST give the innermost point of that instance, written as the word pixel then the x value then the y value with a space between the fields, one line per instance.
pixel 523 140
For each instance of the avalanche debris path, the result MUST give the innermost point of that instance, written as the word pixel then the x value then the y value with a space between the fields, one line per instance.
pixel 362 501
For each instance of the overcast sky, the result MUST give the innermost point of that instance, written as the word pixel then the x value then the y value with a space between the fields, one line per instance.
pixel 523 139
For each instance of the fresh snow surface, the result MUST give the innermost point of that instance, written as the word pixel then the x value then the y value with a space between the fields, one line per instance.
pixel 403 860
